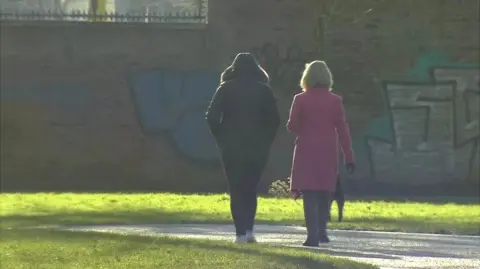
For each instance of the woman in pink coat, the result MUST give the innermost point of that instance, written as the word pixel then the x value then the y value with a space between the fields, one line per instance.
pixel 317 117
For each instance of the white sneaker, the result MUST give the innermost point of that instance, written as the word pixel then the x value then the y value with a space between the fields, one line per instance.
pixel 250 237
pixel 241 239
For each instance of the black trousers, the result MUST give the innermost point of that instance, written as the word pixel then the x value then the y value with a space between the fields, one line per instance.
pixel 316 206
pixel 243 174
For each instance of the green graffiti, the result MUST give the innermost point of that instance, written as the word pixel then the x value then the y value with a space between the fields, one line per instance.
pixel 380 127
pixel 421 70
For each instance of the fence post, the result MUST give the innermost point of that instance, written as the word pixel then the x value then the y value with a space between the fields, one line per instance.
pixel 99 10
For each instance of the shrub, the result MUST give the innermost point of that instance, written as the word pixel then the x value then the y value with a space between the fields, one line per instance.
pixel 280 188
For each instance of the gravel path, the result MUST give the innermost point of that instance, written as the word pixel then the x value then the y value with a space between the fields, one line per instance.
pixel 387 250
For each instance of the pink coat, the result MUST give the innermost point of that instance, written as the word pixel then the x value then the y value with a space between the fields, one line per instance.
pixel 317 117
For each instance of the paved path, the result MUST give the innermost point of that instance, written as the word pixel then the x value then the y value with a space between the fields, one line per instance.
pixel 387 250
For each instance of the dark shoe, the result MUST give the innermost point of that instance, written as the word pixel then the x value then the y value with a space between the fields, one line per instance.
pixel 310 243
pixel 324 239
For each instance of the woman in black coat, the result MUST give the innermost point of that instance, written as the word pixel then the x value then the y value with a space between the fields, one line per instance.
pixel 244 119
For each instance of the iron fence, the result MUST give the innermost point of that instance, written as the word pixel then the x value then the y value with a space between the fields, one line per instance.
pixel 135 11
pixel 107 17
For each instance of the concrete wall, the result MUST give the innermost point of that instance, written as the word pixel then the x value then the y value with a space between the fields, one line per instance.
pixel 389 58
pixel 120 106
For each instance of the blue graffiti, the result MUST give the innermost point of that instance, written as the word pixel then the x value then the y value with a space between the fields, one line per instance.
pixel 174 102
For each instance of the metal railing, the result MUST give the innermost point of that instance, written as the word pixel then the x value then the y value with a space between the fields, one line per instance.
pixel 179 17
pixel 136 11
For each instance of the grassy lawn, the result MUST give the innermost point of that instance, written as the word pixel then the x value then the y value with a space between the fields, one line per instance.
pixel 20 210
pixel 44 249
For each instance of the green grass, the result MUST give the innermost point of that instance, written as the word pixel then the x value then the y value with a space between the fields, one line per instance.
pixel 21 210
pixel 45 249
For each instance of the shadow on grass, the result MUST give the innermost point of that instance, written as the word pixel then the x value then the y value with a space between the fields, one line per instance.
pixel 117 217
pixel 355 247
pixel 133 244
pixel 391 197
pixel 350 254
pixel 151 216
pixel 347 244
pixel 416 226
pixel 436 200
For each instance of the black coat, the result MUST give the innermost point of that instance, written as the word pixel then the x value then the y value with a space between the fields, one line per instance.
pixel 243 117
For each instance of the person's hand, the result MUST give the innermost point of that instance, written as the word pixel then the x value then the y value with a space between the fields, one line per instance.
pixel 296 194
pixel 350 167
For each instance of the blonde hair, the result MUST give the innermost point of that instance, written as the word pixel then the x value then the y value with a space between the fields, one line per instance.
pixel 316 73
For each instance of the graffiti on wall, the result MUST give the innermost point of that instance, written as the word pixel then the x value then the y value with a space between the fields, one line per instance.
pixel 434 126
pixel 174 103
pixel 284 65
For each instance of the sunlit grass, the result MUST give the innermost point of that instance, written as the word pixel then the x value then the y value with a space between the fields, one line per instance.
pixel 19 210
pixel 44 249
